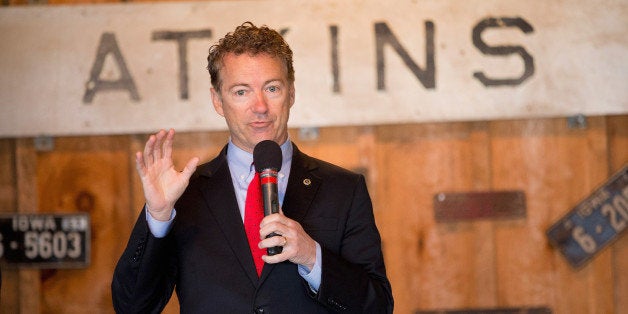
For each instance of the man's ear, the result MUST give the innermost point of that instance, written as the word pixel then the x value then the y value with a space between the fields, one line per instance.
pixel 217 101
pixel 292 95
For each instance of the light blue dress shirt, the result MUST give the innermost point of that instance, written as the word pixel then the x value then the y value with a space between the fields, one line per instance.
pixel 242 172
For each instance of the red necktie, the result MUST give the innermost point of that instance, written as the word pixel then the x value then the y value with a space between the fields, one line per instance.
pixel 253 214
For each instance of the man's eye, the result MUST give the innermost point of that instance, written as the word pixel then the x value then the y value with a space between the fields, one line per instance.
pixel 240 92
pixel 273 89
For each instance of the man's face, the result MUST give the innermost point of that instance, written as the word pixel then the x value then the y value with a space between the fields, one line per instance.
pixel 255 99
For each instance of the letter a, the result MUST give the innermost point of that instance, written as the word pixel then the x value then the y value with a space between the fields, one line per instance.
pixel 108 45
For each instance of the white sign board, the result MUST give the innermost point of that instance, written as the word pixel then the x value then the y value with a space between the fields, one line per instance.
pixel 136 68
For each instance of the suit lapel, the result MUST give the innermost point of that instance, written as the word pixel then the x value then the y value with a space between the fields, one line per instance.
pixel 221 202
pixel 302 186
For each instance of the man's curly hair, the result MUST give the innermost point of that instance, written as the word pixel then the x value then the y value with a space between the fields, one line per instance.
pixel 248 38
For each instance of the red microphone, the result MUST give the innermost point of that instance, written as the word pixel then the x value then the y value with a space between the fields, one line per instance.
pixel 267 159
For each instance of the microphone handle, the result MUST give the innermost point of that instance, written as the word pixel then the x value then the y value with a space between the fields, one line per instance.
pixel 271 206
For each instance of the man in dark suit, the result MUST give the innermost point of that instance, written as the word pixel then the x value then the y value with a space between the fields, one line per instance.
pixel 191 236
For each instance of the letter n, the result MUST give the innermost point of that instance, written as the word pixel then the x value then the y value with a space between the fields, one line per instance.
pixel 384 36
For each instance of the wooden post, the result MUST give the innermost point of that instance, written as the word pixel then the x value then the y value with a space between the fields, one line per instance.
pixel 29 284
pixel 618 155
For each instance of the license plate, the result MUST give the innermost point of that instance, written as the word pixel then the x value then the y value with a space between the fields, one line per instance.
pixel 594 223
pixel 45 240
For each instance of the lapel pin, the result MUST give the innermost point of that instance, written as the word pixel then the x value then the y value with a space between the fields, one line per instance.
pixel 307 182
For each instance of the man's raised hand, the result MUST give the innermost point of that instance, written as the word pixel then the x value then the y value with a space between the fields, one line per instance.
pixel 162 183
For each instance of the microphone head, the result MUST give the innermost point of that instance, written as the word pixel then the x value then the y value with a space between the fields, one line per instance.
pixel 267 154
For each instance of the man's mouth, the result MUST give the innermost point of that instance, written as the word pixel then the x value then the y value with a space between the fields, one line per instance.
pixel 260 124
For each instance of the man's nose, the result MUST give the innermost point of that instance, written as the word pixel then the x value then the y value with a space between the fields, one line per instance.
pixel 260 105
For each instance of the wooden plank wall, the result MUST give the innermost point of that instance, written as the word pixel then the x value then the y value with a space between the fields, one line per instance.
pixel 496 263
pixel 485 263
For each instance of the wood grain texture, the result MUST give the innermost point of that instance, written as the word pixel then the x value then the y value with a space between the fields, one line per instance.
pixel 557 167
pixel 433 265
pixel 29 285
pixel 618 156
pixel 9 296
pixel 88 175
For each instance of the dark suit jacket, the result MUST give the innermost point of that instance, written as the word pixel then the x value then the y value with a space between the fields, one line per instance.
pixel 206 254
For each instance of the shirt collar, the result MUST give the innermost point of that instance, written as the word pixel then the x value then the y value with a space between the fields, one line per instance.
pixel 241 161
